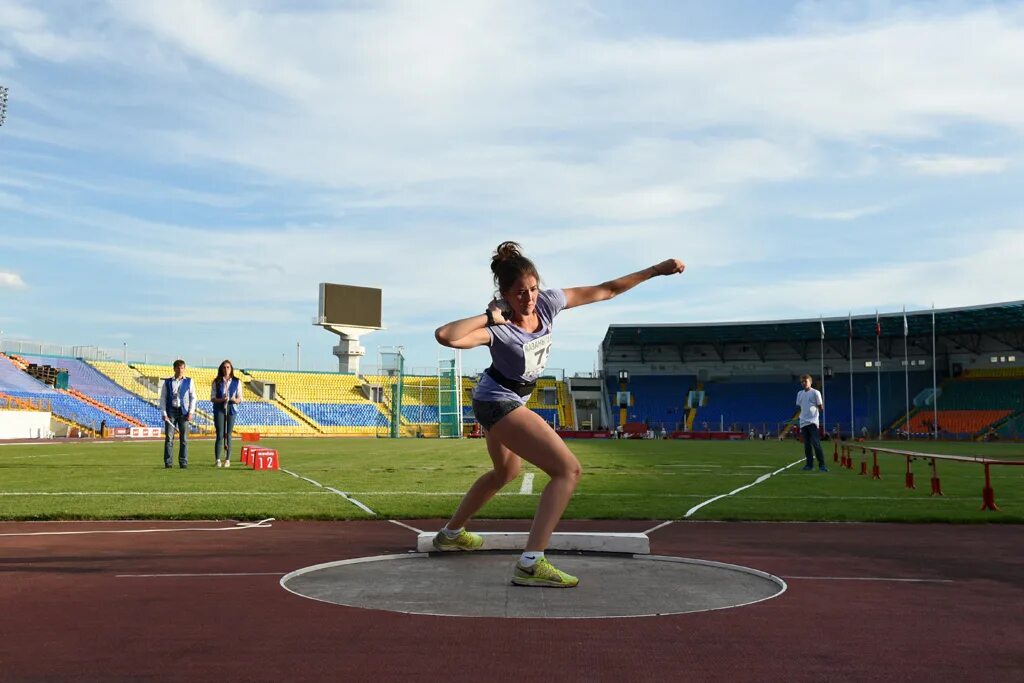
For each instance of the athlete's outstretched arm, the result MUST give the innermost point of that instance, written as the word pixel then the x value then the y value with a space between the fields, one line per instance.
pixel 578 296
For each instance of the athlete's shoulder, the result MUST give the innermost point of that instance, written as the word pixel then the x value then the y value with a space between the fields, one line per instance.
pixel 554 299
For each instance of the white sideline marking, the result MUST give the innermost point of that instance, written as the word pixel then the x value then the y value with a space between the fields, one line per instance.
pixel 866 578
pixel 763 477
pixel 660 526
pixel 154 576
pixel 403 524
pixel 262 524
pixel 333 490
pixel 351 500
pixel 527 486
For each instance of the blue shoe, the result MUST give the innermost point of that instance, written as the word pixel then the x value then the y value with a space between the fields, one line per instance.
pixel 822 468
pixel 807 468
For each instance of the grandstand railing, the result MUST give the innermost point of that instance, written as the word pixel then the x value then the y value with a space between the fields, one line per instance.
pixel 843 455
pixel 21 403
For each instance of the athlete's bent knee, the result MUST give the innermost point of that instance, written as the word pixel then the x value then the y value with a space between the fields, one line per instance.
pixel 571 470
pixel 506 474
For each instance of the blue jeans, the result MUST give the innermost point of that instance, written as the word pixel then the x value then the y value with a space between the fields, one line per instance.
pixel 176 423
pixel 224 423
pixel 811 441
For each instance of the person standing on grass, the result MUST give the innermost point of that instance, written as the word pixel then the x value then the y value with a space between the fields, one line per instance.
pixel 225 394
pixel 517 328
pixel 808 400
pixel 177 403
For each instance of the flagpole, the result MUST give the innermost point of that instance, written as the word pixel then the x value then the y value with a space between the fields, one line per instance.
pixel 878 369
pixel 935 384
pixel 822 322
pixel 906 369
pixel 849 321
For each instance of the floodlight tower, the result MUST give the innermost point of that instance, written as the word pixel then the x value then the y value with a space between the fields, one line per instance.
pixel 3 104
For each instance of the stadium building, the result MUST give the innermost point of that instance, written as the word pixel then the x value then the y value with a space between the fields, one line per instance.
pixel 959 371
pixel 956 373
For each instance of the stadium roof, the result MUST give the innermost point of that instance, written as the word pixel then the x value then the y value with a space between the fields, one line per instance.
pixel 1004 322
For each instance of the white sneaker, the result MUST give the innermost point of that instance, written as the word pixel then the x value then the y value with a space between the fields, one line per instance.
pixel 218 464
pixel 227 463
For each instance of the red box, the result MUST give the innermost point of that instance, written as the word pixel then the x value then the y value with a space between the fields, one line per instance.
pixel 264 459
pixel 245 454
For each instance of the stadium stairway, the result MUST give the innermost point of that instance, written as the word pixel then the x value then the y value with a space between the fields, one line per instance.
pixel 1012 427
pixel 690 414
pixel 16 360
pixel 298 415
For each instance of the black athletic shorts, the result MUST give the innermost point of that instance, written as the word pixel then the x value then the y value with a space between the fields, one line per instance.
pixel 488 413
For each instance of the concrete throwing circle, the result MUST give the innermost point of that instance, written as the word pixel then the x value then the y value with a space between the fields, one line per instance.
pixel 478 585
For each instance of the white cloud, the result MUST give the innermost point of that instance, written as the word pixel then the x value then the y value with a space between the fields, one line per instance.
pixel 11 280
pixel 945 164
pixel 29 30
pixel 453 109
pixel 986 271
pixel 395 144
pixel 843 214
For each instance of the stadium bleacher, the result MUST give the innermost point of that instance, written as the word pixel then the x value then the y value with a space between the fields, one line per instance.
pixel 739 404
pixel 658 400
pixel 88 380
pixel 18 384
pixel 332 403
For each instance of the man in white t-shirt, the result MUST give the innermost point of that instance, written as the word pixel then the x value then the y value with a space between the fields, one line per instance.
pixel 809 402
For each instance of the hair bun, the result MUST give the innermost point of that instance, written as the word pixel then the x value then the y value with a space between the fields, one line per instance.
pixel 506 251
pixel 508 264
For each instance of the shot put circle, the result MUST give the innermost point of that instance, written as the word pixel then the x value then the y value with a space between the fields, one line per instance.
pixel 478 585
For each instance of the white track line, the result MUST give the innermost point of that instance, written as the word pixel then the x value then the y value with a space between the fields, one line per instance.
pixel 403 524
pixel 353 500
pixel 660 526
pixel 763 477
pixel 527 486
pixel 332 490
pixel 865 578
pixel 161 576
pixel 262 524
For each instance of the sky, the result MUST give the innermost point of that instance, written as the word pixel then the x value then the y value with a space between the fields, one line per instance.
pixel 176 178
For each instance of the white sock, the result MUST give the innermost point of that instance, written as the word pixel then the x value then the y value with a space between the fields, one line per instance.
pixel 452 534
pixel 530 557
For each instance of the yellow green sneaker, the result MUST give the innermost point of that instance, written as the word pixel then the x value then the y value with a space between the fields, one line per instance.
pixel 464 541
pixel 542 573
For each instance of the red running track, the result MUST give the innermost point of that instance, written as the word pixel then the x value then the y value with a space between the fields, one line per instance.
pixel 70 614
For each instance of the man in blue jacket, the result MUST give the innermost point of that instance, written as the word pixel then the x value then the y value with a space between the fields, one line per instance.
pixel 177 403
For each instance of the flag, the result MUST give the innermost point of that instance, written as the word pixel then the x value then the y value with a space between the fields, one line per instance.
pixel 878 325
pixel 906 328
pixel 822 327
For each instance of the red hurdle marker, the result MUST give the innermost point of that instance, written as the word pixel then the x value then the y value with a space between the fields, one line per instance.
pixel 245 454
pixel 264 459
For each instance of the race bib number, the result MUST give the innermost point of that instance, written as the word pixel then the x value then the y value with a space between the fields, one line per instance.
pixel 535 355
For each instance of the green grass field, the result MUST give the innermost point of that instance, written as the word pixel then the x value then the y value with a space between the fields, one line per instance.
pixel 420 478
